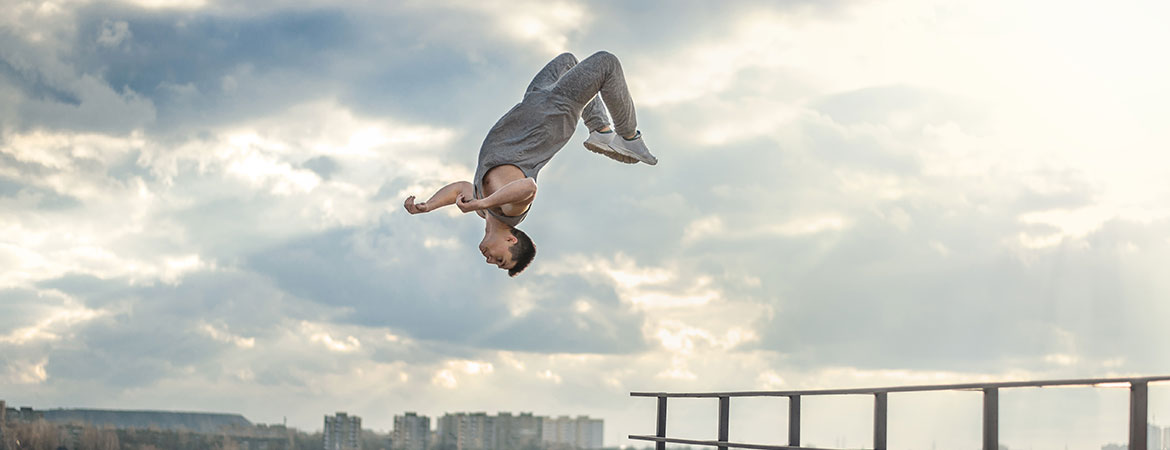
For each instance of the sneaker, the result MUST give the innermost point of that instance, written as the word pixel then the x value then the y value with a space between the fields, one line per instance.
pixel 635 148
pixel 598 142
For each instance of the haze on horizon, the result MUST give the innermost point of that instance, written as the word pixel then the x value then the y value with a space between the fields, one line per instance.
pixel 201 211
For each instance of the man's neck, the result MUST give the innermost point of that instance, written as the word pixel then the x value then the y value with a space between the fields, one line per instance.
pixel 494 226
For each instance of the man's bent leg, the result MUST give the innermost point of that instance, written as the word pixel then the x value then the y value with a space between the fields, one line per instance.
pixel 601 72
pixel 593 113
pixel 552 72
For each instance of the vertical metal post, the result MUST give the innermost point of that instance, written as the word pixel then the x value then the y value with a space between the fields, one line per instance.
pixel 1138 410
pixel 990 419
pixel 879 420
pixel 661 423
pixel 794 421
pixel 724 415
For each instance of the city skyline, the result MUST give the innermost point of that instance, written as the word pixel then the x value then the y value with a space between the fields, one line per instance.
pixel 409 422
pixel 202 210
pixel 22 409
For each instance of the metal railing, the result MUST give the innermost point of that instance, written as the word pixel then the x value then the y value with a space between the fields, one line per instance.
pixel 1138 410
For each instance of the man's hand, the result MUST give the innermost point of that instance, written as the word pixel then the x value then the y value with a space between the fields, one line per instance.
pixel 415 208
pixel 466 205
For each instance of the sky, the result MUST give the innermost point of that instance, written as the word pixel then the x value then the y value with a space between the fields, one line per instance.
pixel 201 210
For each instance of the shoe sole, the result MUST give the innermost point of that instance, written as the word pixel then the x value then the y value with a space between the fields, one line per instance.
pixel 610 153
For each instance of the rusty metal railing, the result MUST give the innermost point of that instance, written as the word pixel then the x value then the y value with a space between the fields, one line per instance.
pixel 1138 410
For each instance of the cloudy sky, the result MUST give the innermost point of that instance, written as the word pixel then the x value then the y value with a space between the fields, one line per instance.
pixel 200 209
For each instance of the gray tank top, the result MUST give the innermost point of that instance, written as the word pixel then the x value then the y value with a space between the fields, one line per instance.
pixel 528 136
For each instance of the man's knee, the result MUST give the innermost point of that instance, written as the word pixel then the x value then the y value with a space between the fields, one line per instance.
pixel 567 58
pixel 604 55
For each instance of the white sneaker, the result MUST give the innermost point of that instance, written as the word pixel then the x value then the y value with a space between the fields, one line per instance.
pixel 598 142
pixel 635 148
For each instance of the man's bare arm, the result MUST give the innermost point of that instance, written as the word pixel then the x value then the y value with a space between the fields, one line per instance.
pixel 521 191
pixel 443 197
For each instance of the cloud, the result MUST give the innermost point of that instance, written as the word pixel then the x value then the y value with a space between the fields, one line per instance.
pixel 113 33
pixel 547 25
pixel 224 335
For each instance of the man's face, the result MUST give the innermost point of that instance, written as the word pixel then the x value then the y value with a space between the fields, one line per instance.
pixel 497 251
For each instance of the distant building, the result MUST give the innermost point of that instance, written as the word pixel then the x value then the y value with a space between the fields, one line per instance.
pixel 343 432
pixel 196 422
pixel 24 414
pixel 579 432
pixel 479 431
pixel 467 431
pixel 1154 437
pixel 411 432
pixel 1114 447
pixel 523 431
pixel 556 432
pixel 518 432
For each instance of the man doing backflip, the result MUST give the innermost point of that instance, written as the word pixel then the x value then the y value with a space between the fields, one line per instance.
pixel 528 136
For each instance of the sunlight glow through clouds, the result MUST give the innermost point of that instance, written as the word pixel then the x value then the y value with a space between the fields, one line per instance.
pixel 770 380
pixel 712 226
pixel 1059 104
pixel 148 4
pixel 709 68
pixel 682 339
pixel 54 325
pixel 509 359
pixel 270 149
pixel 35 261
pixel 582 306
pixel 753 119
pixel 71 153
pixel 473 367
pixel 448 377
pixel 545 24
pixel 550 376
pixel 445 378
pixel 644 287
pixel 348 344
pixel 1072 224
pixel 678 371
pixel 223 335
pixel 252 158
pixel 21 265
pixel 265 153
pixel 177 4
pixel 24 372
pixel 318 334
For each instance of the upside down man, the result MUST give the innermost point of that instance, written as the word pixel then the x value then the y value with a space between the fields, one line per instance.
pixel 528 136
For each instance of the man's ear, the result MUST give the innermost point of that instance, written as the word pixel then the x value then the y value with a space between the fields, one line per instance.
pixel 511 239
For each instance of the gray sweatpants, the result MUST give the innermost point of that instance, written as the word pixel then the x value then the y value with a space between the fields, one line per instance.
pixel 586 83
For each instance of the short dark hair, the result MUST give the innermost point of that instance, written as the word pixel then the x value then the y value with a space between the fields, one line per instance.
pixel 522 252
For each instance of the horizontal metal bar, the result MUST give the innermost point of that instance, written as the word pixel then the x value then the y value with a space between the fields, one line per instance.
pixel 723 444
pixel 923 388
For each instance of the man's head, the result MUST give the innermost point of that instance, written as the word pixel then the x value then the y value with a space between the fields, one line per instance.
pixel 511 251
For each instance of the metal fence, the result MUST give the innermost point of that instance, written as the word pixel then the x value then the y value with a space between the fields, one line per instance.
pixel 1138 410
